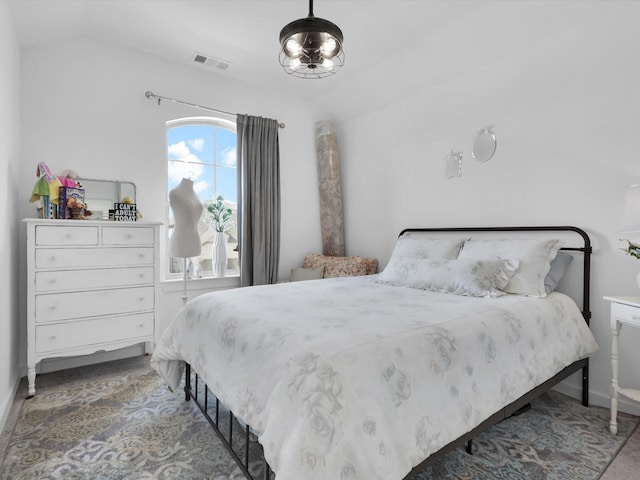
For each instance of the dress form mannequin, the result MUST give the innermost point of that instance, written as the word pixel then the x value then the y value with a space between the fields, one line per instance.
pixel 187 210
pixel 185 240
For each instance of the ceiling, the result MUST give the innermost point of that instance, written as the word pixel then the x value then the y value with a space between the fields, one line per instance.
pixel 402 43
pixel 243 32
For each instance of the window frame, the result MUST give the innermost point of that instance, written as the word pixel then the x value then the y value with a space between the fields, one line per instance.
pixel 219 120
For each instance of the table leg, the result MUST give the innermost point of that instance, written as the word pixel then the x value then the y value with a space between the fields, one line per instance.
pixel 31 377
pixel 613 390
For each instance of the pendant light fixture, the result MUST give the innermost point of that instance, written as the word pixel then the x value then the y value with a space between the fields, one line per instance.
pixel 311 47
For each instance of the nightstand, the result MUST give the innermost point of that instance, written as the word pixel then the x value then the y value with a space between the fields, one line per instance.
pixel 624 310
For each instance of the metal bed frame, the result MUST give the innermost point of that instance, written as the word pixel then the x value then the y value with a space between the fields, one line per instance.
pixel 241 453
pixel 211 409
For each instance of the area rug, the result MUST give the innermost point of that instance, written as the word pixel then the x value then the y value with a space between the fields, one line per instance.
pixel 120 421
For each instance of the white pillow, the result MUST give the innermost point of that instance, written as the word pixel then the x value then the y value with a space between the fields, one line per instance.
pixel 301 274
pixel 535 257
pixel 559 266
pixel 434 248
pixel 478 278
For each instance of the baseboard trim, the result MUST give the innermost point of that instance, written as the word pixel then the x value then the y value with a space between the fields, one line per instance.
pixel 6 411
pixel 598 399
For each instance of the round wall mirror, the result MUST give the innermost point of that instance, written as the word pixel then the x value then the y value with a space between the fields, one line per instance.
pixel 484 145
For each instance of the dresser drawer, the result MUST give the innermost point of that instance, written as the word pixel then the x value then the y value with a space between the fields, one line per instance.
pixel 626 313
pixel 60 306
pixel 127 236
pixel 97 331
pixel 66 235
pixel 56 280
pixel 93 257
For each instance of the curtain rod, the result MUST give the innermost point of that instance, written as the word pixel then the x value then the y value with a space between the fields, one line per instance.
pixel 150 95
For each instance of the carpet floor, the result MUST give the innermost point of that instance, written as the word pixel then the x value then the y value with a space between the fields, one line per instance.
pixel 119 421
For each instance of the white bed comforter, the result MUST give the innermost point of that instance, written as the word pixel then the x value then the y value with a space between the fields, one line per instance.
pixel 347 378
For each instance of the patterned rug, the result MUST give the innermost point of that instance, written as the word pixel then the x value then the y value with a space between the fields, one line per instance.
pixel 119 421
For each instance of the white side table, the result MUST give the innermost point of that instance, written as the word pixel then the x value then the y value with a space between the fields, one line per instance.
pixel 624 310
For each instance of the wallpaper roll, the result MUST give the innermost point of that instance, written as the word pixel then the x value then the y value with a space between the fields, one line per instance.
pixel 329 185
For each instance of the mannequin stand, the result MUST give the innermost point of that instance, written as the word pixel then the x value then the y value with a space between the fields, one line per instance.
pixel 184 282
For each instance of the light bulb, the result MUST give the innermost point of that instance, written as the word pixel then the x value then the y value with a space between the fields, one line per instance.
pixel 328 47
pixel 294 49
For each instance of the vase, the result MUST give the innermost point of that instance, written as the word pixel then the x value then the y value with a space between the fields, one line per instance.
pixel 219 255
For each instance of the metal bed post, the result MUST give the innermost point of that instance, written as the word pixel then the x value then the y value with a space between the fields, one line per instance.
pixel 187 382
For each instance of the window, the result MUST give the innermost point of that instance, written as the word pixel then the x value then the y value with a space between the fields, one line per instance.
pixel 203 149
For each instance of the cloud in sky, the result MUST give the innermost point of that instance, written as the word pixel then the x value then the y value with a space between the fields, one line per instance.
pixel 178 170
pixel 186 164
pixel 179 151
pixel 229 157
pixel 201 186
pixel 196 143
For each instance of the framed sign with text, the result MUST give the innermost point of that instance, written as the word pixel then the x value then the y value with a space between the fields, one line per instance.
pixel 123 212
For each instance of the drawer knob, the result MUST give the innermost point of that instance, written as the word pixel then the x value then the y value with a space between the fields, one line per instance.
pixel 53 337
pixel 52 281
pixel 52 307
pixel 635 317
pixel 129 235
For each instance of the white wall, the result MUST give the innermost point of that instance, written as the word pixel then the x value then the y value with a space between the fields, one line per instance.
pixel 566 115
pixel 84 108
pixel 9 174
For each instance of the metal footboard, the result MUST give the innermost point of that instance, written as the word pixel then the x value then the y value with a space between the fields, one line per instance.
pixel 196 389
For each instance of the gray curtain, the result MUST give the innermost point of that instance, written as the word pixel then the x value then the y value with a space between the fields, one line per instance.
pixel 258 163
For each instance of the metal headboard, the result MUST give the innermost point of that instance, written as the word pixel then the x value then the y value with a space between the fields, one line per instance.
pixel 586 249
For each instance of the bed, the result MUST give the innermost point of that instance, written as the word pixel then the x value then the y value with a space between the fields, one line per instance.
pixel 371 377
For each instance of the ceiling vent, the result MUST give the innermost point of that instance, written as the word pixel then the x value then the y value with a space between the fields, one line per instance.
pixel 210 61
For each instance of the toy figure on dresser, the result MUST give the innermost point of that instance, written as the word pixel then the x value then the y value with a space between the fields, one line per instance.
pixel 77 209
pixel 46 191
pixel 185 240
pixel 129 201
pixel 53 191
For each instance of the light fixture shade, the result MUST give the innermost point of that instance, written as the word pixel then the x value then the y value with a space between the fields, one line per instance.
pixel 631 214
pixel 311 47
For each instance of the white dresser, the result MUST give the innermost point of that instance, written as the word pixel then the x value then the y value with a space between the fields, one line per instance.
pixel 91 286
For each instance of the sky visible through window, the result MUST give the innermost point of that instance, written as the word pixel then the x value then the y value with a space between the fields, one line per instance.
pixel 205 154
